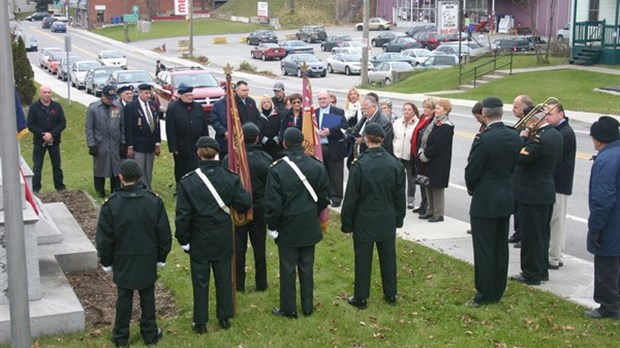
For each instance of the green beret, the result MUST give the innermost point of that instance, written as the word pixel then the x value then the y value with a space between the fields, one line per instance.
pixel 250 132
pixel 492 102
pixel 131 169
pixel 207 142
pixel 293 136
pixel 374 129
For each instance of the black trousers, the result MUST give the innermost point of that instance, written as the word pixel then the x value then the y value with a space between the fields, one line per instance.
pixel 515 217
pixel 335 171
pixel 293 260
pixel 534 222
pixel 607 284
pixel 201 273
pixel 490 240
pixel 363 267
pixel 257 231
pixel 148 323
pixel 183 165
pixel 38 155
pixel 115 182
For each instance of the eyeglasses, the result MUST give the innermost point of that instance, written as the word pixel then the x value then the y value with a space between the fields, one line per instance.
pixel 296 102
pixel 187 95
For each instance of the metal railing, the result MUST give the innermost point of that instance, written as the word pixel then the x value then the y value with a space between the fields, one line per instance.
pixel 479 70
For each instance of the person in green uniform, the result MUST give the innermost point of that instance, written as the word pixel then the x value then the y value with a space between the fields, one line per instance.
pixel 204 230
pixel 133 240
pixel 297 190
pixel 374 206
pixel 256 229
pixel 490 164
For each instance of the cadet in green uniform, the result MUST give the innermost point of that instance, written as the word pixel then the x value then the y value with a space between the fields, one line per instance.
pixel 259 162
pixel 133 237
pixel 490 164
pixel 292 210
pixel 374 206
pixel 534 192
pixel 204 229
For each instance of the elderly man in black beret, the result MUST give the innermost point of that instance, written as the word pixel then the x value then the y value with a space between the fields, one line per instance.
pixel 374 206
pixel 133 240
pixel 126 94
pixel 490 164
pixel 204 228
pixel 142 131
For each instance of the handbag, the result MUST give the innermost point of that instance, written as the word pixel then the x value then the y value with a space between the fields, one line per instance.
pixel 422 180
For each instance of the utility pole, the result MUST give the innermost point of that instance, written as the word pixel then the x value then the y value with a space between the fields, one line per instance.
pixel 364 74
pixel 125 26
pixel 191 28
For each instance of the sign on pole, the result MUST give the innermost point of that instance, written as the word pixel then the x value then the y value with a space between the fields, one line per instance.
pixel 448 17
pixel 181 7
pixel 135 9
pixel 130 17
pixel 263 11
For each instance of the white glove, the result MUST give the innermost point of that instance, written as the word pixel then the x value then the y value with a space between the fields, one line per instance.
pixel 185 247
pixel 264 141
pixel 273 234
pixel 160 265
pixel 106 269
pixel 276 139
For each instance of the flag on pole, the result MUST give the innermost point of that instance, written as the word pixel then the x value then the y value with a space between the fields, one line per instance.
pixel 22 125
pixel 237 157
pixel 310 128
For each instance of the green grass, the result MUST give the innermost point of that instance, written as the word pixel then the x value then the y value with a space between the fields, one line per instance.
pixel 431 310
pixel 162 29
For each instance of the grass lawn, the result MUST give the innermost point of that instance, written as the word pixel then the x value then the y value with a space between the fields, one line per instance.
pixel 315 12
pixel 161 29
pixel 431 309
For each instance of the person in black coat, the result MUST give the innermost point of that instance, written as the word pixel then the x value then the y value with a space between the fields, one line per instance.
pixel 220 124
pixel 185 124
pixel 435 152
pixel 269 125
pixel 294 117
pixel 333 144
pixel 372 113
pixel 248 111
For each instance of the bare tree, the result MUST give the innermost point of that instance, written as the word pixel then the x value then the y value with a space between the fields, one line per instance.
pixel 292 2
pixel 530 6
pixel 552 7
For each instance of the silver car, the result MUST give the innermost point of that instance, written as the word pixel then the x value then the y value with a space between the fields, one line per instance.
pixel 64 66
pixel 293 62
pixel 45 55
pixel 346 63
pixel 96 79
pixel 384 72
pixel 79 70
pixel 419 55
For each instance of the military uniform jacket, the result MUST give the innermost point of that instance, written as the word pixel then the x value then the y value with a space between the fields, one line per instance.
pixel 199 219
pixel 374 201
pixel 533 177
pixel 105 129
pixel 259 162
pixel 289 207
pixel 41 121
pixel 137 128
pixel 490 164
pixel 133 234
pixel 185 124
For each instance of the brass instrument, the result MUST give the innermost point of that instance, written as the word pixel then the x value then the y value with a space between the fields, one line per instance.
pixel 536 116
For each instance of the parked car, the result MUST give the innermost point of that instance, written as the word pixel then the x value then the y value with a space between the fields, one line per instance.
pixel 386 37
pixel 384 72
pixel 37 16
pixel 419 55
pixel 30 42
pixel 65 64
pixel 45 55
pixel 59 27
pixel 296 46
pixel 112 58
pixel 390 57
pixel 267 51
pixel 430 40
pixel 121 78
pixel 54 60
pixel 262 36
pixel 312 33
pixel 564 33
pixel 77 74
pixel 346 63
pixel 471 49
pixel 46 22
pixel 349 47
pixel 292 65
pixel 333 41
pixel 400 44
pixel 440 61
pixel 207 89
pixel 513 44
pixel 418 28
pixel 375 23
pixel 60 17
pixel 96 79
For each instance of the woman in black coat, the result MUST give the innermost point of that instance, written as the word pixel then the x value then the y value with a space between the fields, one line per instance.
pixel 294 116
pixel 436 153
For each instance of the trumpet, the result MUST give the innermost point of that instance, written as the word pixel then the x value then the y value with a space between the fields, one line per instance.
pixel 536 116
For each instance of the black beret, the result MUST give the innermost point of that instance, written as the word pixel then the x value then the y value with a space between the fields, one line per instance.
pixel 144 87
pixel 131 169
pixel 374 129
pixel 250 132
pixel 110 92
pixel 492 102
pixel 124 89
pixel 293 136
pixel 207 142
pixel 605 130
pixel 183 88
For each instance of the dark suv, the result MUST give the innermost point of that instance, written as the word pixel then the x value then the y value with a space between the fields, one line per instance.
pixel 514 44
pixel 312 33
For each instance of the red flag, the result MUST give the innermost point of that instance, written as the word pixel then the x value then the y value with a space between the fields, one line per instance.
pixel 237 157
pixel 28 193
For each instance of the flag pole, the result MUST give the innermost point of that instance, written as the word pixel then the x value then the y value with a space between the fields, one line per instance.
pixel 231 164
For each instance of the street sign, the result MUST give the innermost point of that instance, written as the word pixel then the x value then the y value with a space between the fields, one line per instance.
pixel 130 17
pixel 68 44
pixel 135 9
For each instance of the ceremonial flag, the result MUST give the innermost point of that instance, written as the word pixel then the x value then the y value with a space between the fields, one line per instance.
pixel 22 125
pixel 312 142
pixel 237 157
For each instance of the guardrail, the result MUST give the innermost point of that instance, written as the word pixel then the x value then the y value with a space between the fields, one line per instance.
pixel 476 69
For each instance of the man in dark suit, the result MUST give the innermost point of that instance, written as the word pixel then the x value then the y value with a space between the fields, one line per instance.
pixel 333 144
pixel 248 111
pixel 373 114
pixel 534 192
pixel 220 124
pixel 142 131
pixel 490 164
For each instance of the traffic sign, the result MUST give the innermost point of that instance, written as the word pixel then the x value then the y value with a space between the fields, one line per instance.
pixel 135 9
pixel 130 17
